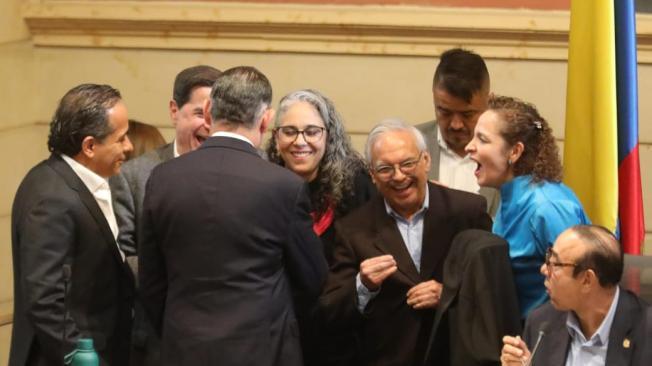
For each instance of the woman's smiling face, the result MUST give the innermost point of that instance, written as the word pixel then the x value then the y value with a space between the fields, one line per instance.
pixel 303 154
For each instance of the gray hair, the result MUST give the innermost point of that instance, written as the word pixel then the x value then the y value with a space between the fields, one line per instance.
pixel 240 95
pixel 338 166
pixel 390 125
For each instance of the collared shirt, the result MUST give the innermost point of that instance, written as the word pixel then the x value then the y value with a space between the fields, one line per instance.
pixel 455 171
pixel 412 234
pixel 176 150
pixel 232 135
pixel 592 352
pixel 99 188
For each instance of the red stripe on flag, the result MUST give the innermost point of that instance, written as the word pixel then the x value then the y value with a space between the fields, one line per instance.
pixel 632 227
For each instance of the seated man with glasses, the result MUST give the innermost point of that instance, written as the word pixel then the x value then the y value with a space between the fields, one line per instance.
pixel 589 319
pixel 389 254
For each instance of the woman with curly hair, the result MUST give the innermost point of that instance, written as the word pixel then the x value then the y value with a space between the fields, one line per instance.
pixel 309 139
pixel 516 153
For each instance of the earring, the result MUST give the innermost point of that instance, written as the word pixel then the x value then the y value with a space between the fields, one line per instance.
pixel 509 162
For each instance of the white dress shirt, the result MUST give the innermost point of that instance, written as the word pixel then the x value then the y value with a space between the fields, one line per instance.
pixel 99 188
pixel 232 135
pixel 455 171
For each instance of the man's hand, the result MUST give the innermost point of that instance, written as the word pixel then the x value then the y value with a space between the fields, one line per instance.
pixel 515 352
pixel 374 271
pixel 425 295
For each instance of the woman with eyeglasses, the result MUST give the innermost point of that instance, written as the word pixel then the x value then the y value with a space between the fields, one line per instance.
pixel 517 154
pixel 309 139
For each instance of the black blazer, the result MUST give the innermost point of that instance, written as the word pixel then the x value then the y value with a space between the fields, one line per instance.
pixel 224 232
pixel 478 305
pixel 56 221
pixel 629 323
pixel 391 332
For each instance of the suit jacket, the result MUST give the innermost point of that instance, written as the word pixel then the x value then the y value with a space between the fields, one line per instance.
pixel 391 332
pixel 128 190
pixel 629 323
pixel 55 222
pixel 430 130
pixel 478 305
pixel 224 233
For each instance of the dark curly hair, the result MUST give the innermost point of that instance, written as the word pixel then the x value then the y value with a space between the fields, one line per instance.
pixel 81 112
pixel 523 123
pixel 338 166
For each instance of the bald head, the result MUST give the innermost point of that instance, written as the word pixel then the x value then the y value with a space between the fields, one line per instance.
pixel 601 252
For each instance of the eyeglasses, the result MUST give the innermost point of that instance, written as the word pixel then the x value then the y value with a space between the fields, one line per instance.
pixel 289 134
pixel 407 167
pixel 550 264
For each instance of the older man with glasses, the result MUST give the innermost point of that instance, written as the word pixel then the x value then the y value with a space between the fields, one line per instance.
pixel 589 319
pixel 389 254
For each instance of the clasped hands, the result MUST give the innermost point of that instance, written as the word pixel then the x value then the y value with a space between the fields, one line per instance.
pixel 374 271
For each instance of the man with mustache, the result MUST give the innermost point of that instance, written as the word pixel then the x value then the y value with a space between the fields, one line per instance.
pixel 191 89
pixel 460 91
pixel 70 278
pixel 389 253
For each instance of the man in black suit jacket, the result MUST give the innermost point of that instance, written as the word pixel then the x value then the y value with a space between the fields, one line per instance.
pixel 389 254
pixel 224 234
pixel 588 317
pixel 64 237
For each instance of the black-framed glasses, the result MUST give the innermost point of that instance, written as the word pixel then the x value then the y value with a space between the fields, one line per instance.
pixel 407 167
pixel 550 263
pixel 289 134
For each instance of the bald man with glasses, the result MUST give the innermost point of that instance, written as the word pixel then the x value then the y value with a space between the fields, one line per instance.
pixel 589 320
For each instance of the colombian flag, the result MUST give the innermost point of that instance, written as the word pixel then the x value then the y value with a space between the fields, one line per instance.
pixel 601 162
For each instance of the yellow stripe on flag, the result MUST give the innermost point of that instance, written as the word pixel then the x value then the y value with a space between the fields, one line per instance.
pixel 591 140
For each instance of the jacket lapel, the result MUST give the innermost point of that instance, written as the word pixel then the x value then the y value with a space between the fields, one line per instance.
pixel 621 344
pixel 433 251
pixel 166 152
pixel 389 241
pixel 88 200
pixel 554 345
pixel 433 149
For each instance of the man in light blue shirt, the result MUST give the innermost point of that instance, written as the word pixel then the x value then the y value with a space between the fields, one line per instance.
pixel 389 254
pixel 589 320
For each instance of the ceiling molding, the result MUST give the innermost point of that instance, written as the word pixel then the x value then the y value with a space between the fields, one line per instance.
pixel 304 28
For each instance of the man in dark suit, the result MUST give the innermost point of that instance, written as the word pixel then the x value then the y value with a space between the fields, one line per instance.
pixel 70 278
pixel 589 319
pixel 460 90
pixel 224 234
pixel 389 254
pixel 192 87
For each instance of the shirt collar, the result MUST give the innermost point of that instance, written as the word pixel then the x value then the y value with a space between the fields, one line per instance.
pixel 176 149
pixel 91 180
pixel 232 135
pixel 424 206
pixel 601 336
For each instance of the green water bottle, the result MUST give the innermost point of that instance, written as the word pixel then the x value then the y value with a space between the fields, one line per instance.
pixel 84 355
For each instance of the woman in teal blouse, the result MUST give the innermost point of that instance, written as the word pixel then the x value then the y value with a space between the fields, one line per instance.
pixel 516 153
